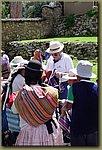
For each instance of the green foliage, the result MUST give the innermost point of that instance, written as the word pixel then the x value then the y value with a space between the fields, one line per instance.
pixel 34 9
pixel 92 12
pixel 69 21
pixel 30 11
pixel 5 9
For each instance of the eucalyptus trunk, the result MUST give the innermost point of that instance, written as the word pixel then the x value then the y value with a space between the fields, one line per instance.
pixel 16 9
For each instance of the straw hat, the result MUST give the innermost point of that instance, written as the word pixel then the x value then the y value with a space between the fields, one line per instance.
pixel 55 47
pixel 84 69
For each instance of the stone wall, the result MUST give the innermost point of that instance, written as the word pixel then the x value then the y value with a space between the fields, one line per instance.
pixel 51 24
pixel 83 26
pixel 85 50
pixel 24 29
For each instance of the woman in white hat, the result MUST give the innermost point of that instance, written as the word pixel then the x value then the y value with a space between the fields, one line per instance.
pixel 16 82
pixel 84 94
pixel 17 60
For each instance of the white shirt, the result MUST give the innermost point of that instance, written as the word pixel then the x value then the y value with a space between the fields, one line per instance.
pixel 18 83
pixel 63 65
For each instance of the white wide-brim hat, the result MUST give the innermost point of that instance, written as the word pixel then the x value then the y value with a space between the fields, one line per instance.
pixel 69 76
pixel 84 69
pixel 55 47
pixel 18 60
pixel 21 66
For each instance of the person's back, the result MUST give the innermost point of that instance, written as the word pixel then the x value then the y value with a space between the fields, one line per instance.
pixel 84 119
pixel 37 125
pixel 18 83
pixel 85 107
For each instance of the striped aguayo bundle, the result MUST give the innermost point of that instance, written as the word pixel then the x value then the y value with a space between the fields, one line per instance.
pixel 36 104
pixel 64 122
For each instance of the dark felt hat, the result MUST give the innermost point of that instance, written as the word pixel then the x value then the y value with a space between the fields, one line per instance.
pixel 34 65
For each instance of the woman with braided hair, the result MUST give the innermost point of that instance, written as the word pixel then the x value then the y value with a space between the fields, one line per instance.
pixel 36 106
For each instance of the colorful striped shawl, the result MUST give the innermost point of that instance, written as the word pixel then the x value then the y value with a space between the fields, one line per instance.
pixel 36 104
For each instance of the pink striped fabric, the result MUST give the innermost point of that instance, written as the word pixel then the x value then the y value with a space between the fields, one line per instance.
pixel 64 122
pixel 36 104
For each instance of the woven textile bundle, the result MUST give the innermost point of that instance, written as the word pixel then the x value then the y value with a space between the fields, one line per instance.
pixel 64 122
pixel 36 104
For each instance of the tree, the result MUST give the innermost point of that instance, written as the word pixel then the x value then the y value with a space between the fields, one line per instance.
pixel 16 9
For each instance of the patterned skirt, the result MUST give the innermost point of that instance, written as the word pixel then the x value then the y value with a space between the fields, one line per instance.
pixel 39 136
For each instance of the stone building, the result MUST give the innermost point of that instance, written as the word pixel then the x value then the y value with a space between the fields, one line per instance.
pixel 77 7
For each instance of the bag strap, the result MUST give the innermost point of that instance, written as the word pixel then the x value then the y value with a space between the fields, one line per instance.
pixel 49 125
pixel 52 75
pixel 6 97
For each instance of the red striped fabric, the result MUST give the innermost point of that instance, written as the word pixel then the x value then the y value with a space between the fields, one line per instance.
pixel 36 104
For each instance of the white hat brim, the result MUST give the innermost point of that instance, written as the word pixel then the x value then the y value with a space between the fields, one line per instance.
pixel 14 64
pixel 18 68
pixel 75 72
pixel 68 77
pixel 48 50
pixel 24 61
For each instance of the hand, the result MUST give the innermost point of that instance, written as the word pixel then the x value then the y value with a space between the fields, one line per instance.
pixel 64 108
pixel 63 113
pixel 58 74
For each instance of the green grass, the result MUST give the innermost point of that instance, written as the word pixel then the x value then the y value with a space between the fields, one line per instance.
pixel 65 39
pixel 72 39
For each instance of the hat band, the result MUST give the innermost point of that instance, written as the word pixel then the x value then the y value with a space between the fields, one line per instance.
pixel 54 49
pixel 31 69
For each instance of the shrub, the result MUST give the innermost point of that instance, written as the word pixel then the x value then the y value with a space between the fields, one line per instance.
pixel 69 21
pixel 91 12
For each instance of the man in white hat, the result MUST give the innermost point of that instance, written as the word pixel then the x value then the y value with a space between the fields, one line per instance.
pixel 84 94
pixel 57 64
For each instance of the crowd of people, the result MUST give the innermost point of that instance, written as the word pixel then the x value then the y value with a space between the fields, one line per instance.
pixel 36 93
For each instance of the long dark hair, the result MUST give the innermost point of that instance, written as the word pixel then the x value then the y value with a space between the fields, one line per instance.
pixel 13 77
pixel 32 77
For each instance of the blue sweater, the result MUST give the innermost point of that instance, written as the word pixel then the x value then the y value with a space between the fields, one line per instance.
pixel 84 108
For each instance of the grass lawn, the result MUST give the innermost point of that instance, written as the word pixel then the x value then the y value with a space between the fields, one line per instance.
pixel 72 39
pixel 65 39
